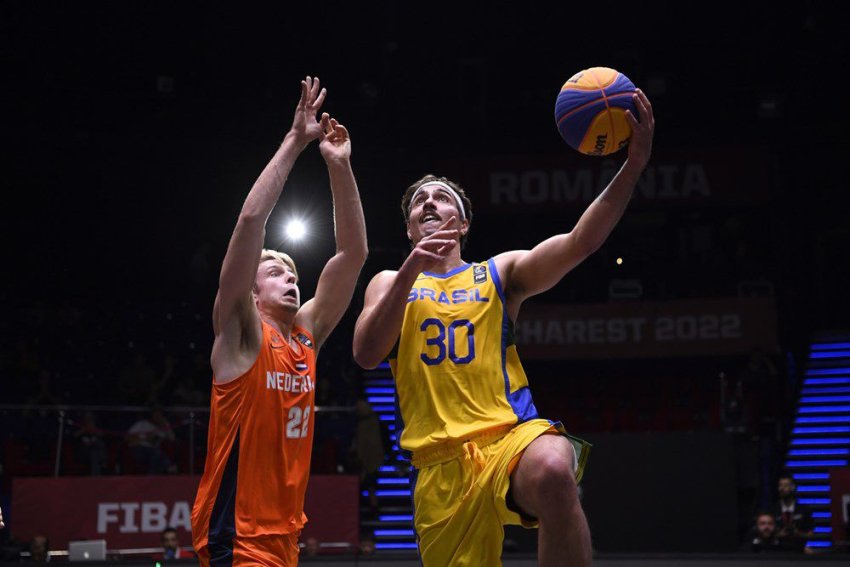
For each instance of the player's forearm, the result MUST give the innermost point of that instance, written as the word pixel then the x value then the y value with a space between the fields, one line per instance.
pixel 349 224
pixel 600 218
pixel 267 188
pixel 378 331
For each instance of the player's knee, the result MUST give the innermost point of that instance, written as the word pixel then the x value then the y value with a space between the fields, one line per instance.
pixel 555 483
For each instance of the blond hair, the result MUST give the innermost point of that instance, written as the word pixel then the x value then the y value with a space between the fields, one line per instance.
pixel 267 254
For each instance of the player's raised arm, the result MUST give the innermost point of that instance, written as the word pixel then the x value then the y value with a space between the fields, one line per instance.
pixel 379 324
pixel 238 271
pixel 339 277
pixel 527 273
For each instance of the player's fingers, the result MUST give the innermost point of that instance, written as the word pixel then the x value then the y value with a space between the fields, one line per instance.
pixel 435 244
pixel 314 89
pixel 630 118
pixel 642 111
pixel 303 100
pixel 451 220
pixel 321 99
pixel 444 234
pixel 326 124
pixel 645 99
pixel 427 254
pixel 344 131
pixel 446 248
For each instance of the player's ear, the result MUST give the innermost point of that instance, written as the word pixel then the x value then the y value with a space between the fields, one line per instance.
pixel 407 226
pixel 464 227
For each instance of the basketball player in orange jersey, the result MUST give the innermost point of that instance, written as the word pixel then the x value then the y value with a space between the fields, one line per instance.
pixel 249 508
pixel 482 456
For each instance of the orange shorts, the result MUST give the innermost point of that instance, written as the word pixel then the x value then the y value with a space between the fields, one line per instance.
pixel 270 551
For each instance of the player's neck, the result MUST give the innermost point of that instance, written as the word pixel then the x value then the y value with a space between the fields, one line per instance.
pixel 450 263
pixel 282 324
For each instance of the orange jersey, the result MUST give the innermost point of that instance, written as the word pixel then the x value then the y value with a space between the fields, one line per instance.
pixel 258 454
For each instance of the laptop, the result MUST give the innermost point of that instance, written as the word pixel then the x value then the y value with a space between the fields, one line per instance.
pixel 90 550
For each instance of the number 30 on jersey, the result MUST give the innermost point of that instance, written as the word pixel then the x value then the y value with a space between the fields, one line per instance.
pixel 444 341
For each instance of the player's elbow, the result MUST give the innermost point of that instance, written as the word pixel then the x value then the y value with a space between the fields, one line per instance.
pixel 251 218
pixel 359 253
pixel 365 357
pixel 355 254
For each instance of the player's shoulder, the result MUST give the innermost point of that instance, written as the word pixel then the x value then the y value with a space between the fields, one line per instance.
pixel 505 261
pixel 383 278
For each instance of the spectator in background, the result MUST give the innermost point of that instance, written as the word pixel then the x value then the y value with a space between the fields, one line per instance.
pixel 39 549
pixel 311 547
pixel 171 547
pixel 793 520
pixel 369 449
pixel 145 437
pixel 92 448
pixel 367 544
pixel 764 536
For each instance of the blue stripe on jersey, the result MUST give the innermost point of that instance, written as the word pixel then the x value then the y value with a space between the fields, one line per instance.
pixel 222 527
pixel 523 405
pixel 498 283
pixel 399 429
pixel 448 274
pixel 520 400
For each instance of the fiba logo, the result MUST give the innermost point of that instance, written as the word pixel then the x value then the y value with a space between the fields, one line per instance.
pixel 142 517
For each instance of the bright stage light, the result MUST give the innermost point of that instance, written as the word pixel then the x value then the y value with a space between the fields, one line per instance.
pixel 296 229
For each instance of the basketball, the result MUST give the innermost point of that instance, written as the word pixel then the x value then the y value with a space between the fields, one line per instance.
pixel 591 111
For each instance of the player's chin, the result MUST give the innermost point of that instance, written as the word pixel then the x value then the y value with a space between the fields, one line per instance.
pixel 428 230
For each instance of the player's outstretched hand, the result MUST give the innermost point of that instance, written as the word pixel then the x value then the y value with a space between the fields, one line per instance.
pixel 435 247
pixel 336 143
pixel 640 146
pixel 305 126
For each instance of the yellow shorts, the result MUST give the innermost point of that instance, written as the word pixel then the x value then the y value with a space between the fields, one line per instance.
pixel 459 494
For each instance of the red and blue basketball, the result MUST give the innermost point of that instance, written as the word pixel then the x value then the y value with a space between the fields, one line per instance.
pixel 591 111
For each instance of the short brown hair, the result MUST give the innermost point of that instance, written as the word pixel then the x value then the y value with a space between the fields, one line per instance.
pixel 267 254
pixel 408 196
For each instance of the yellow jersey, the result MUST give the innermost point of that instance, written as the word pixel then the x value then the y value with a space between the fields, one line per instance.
pixel 455 365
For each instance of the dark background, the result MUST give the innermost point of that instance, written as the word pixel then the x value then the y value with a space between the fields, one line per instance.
pixel 113 187
pixel 133 132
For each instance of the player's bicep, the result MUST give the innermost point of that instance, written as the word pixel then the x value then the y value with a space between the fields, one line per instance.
pixel 534 271
pixel 375 292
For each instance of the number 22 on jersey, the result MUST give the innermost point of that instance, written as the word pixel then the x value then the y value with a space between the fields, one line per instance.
pixel 297 422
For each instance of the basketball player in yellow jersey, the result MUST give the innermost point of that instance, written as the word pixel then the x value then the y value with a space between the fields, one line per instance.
pixel 249 509
pixel 482 456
